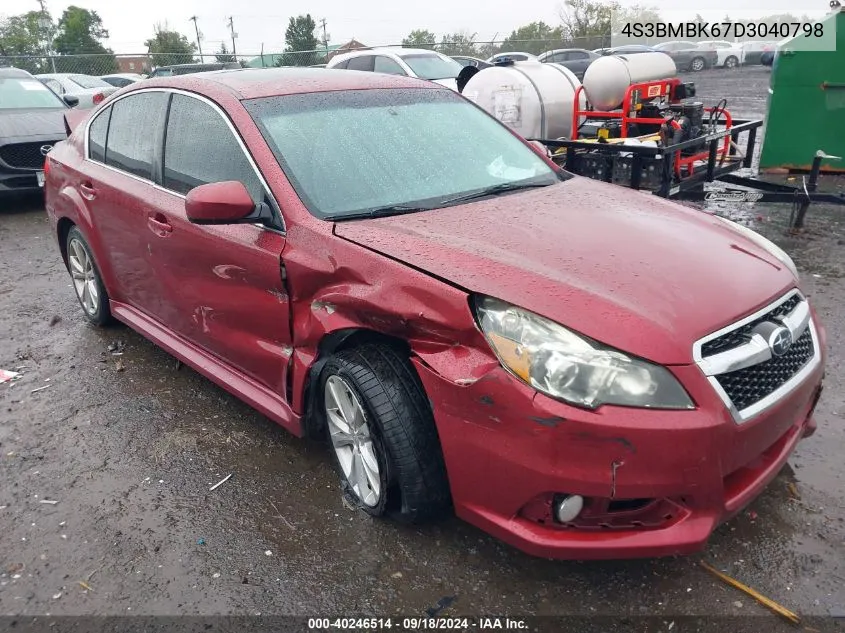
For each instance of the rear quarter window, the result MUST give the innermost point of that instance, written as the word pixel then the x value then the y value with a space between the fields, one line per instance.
pixel 97 136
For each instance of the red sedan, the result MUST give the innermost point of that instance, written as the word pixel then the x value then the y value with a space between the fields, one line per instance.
pixel 582 370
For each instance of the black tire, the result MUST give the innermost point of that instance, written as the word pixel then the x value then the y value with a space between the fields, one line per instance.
pixel 698 64
pixel 102 315
pixel 402 426
pixel 731 62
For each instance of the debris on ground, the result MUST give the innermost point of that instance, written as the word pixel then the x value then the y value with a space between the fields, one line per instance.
pixel 222 481
pixel 268 552
pixel 48 502
pixel 14 568
pixel 346 503
pixel 118 365
pixel 40 389
pixel 55 319
pixel 6 375
pixel 766 602
pixel 200 541
pixel 793 490
pixel 56 596
pixel 398 574
pixel 84 585
pixel 752 515
pixel 444 603
pixel 116 348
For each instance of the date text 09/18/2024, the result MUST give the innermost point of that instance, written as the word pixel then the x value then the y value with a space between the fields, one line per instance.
pixel 417 624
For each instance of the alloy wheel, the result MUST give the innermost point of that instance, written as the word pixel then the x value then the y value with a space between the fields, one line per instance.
pixel 352 441
pixel 697 64
pixel 84 276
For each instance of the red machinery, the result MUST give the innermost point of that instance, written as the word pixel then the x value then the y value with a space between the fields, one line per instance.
pixel 656 107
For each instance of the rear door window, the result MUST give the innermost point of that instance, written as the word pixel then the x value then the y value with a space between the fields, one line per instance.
pixel 200 148
pixel 133 131
pixel 365 62
pixel 386 65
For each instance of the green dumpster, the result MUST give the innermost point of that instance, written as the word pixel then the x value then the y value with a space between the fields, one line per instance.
pixel 807 104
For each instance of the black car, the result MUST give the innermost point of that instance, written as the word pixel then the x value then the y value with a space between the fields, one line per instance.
pixel 187 69
pixel 31 122
pixel 689 55
pixel 575 59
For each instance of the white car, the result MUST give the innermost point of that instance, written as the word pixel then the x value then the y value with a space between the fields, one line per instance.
pixel 753 51
pixel 408 62
pixel 88 89
pixel 121 80
pixel 516 56
pixel 730 54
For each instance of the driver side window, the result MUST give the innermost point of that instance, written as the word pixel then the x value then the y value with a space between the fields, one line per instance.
pixel 200 148
pixel 386 65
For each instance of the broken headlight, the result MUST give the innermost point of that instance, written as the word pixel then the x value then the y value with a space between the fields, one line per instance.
pixel 571 367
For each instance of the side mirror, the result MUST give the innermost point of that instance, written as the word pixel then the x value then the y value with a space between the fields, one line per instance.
pixel 71 100
pixel 224 203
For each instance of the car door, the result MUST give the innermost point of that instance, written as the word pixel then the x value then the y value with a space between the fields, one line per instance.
pixel 222 286
pixel 578 62
pixel 115 184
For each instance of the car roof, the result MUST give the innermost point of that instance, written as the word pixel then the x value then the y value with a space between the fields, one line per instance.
pixel 514 53
pixel 253 83
pixel 398 51
pixel 11 71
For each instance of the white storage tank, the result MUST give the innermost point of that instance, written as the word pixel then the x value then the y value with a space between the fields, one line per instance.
pixel 607 78
pixel 532 98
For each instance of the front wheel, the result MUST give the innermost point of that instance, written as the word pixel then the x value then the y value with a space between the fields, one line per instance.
pixel 731 62
pixel 382 434
pixel 698 64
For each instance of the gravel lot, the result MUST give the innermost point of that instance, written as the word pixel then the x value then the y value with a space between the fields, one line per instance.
pixel 129 445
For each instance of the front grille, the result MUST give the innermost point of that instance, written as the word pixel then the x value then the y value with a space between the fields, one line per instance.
pixel 747 386
pixel 23 155
pixel 742 335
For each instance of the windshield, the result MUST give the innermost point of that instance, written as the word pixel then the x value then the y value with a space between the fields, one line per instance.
pixel 351 152
pixel 86 81
pixel 432 66
pixel 21 92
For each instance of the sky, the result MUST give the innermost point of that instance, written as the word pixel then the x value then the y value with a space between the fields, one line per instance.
pixel 373 22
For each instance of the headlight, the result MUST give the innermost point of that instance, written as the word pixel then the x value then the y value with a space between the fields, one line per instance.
pixel 570 367
pixel 764 243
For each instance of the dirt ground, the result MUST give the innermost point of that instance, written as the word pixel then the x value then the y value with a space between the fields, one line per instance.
pixel 125 448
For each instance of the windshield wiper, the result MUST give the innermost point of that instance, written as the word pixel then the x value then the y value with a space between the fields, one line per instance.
pixel 379 212
pixel 495 190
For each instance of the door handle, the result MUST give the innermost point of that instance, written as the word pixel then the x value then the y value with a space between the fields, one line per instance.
pixel 159 224
pixel 87 191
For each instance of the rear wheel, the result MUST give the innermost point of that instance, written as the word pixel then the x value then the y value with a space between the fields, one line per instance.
pixel 731 62
pixel 86 279
pixel 698 64
pixel 382 434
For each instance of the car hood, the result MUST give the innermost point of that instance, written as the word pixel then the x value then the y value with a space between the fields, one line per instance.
pixel 634 271
pixel 41 123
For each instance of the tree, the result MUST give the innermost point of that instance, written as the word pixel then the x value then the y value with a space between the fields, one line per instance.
pixel 79 34
pixel 461 43
pixel 588 21
pixel 170 47
pixel 420 38
pixel 300 42
pixel 536 38
pixel 27 35
pixel 223 55
pixel 635 14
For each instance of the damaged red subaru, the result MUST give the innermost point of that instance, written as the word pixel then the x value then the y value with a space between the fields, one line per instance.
pixel 581 370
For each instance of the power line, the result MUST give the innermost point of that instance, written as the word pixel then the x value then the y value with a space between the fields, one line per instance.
pixel 325 37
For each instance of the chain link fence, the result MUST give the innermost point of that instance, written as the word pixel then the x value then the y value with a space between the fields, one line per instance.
pixel 145 63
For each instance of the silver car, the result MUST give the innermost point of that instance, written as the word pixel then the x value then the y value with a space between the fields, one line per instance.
pixel 88 89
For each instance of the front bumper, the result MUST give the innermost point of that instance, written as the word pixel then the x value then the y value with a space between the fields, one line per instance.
pixel 509 449
pixel 18 182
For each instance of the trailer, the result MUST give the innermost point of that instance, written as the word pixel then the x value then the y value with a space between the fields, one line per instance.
pixel 662 141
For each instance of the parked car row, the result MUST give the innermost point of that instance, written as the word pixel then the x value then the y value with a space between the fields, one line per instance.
pixel 688 56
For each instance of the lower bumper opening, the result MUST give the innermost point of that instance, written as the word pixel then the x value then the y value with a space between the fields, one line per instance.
pixel 601 514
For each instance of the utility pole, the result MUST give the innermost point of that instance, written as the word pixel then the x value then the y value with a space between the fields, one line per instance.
pixel 325 37
pixel 234 35
pixel 193 19
pixel 45 23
